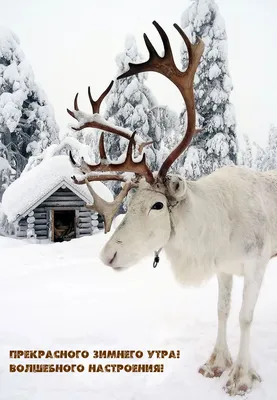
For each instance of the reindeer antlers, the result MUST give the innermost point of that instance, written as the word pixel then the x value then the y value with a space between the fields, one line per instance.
pixel 108 210
pixel 166 66
pixel 140 168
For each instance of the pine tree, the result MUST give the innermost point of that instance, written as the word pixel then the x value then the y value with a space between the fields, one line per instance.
pixel 245 156
pixel 259 158
pixel 27 123
pixel 168 129
pixel 216 144
pixel 5 170
pixel 270 155
pixel 266 159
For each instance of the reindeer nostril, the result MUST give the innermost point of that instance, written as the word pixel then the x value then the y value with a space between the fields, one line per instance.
pixel 113 258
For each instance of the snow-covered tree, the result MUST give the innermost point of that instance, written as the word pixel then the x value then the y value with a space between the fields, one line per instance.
pixel 259 159
pixel 167 121
pixel 266 159
pixel 5 173
pixel 168 125
pixel 245 154
pixel 270 154
pixel 216 144
pixel 27 123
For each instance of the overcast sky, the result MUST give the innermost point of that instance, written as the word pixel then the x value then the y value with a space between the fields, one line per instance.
pixel 73 44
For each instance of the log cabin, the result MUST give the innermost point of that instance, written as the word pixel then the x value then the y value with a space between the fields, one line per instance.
pixel 44 203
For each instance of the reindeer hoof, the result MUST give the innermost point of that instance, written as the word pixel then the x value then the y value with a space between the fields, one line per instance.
pixel 240 381
pixel 216 365
pixel 210 372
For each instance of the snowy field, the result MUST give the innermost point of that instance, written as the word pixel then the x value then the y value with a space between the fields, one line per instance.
pixel 60 296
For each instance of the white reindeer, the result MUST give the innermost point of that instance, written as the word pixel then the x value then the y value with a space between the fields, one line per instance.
pixel 223 224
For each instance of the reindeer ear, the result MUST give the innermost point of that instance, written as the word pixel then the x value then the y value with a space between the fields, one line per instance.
pixel 176 187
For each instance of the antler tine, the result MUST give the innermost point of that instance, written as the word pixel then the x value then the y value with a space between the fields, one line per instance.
pixel 129 158
pixel 151 49
pixel 95 105
pixel 101 177
pixel 142 145
pixel 167 47
pixel 107 209
pixel 76 108
pixel 102 151
pixel 195 51
pixel 73 162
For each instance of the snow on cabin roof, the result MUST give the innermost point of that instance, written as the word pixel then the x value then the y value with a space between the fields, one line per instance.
pixel 36 185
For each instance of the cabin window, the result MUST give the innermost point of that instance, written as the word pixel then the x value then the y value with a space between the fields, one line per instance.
pixel 64 225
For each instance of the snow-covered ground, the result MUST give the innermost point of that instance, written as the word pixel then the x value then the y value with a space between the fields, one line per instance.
pixel 60 297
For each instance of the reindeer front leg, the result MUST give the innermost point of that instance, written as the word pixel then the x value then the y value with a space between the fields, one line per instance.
pixel 242 374
pixel 220 358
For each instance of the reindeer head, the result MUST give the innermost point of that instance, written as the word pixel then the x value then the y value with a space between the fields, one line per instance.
pixel 147 224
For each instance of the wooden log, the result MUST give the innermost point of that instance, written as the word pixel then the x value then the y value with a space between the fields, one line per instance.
pixel 40 209
pixel 83 215
pixel 85 231
pixel 22 223
pixel 73 204
pixel 21 234
pixel 84 225
pixel 84 219
pixel 40 221
pixel 77 230
pixel 63 208
pixel 63 190
pixel 85 210
pixel 40 227
pixel 22 228
pixel 42 215
pixel 43 232
pixel 64 198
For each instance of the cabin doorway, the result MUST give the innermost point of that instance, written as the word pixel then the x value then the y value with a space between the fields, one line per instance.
pixel 63 225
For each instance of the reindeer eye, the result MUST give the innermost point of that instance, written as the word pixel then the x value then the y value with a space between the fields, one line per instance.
pixel 157 206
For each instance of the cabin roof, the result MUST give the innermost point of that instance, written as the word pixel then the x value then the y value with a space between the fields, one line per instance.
pixel 36 185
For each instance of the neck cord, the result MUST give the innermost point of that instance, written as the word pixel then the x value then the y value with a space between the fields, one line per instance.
pixel 156 253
